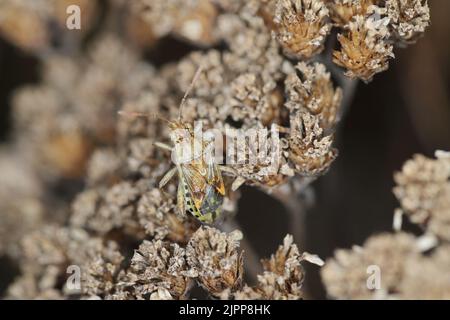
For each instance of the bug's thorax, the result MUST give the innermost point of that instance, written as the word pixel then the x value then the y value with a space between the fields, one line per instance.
pixel 187 149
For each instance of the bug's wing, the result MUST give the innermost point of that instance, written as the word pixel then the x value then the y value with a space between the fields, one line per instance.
pixel 195 183
pixel 214 177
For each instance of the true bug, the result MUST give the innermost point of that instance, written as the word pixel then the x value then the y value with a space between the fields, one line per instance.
pixel 201 189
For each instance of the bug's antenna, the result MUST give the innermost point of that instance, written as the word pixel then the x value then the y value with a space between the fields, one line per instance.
pixel 135 114
pixel 189 89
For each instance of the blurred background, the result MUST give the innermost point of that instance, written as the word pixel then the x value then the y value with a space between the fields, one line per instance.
pixel 405 110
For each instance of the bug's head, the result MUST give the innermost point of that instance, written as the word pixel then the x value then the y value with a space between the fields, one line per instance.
pixel 185 146
pixel 180 132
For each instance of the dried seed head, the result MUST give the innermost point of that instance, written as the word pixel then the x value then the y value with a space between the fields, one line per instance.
pixel 423 189
pixel 252 103
pixel 260 159
pixel 207 94
pixel 23 25
pixel 158 271
pixel 283 275
pixel 312 90
pixel 215 259
pixel 101 270
pixel 67 153
pixel 59 144
pixel 229 5
pixel 103 167
pixel 28 24
pixel 21 207
pixel 192 20
pixel 73 108
pixel 408 19
pixel 252 48
pixel 103 210
pixel 301 26
pixel 343 11
pixel 118 208
pixel 46 255
pixel 345 276
pixel 427 277
pixel 310 150
pixel 364 48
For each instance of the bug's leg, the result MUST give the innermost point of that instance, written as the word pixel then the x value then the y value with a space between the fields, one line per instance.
pixel 180 200
pixel 227 170
pixel 237 183
pixel 162 146
pixel 169 175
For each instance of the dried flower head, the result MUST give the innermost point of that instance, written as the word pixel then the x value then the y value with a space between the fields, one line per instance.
pixel 73 108
pixel 311 89
pixel 364 48
pixel 27 23
pixel 158 271
pixel 310 150
pixel 101 270
pixel 427 277
pixel 103 167
pixel 67 152
pixel 283 274
pixel 252 48
pixel 343 11
pixel 103 210
pixel 229 5
pixel 192 20
pixel 21 206
pixel 345 276
pixel 408 19
pixel 259 159
pixel 47 253
pixel 423 189
pixel 301 26
pixel 252 102
pixel 207 95
pixel 215 259
pixel 406 272
pixel 24 25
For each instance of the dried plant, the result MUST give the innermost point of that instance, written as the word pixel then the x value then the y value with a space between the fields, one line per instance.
pixel 343 11
pixel 283 274
pixel 157 271
pixel 407 268
pixel 193 20
pixel 409 19
pixel 77 100
pixel 423 189
pixel 406 273
pixel 301 26
pixel 346 275
pixel 267 68
pixel 21 204
pixel 27 23
pixel 365 50
pixel 312 90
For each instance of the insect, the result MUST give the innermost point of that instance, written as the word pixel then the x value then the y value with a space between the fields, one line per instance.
pixel 201 189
